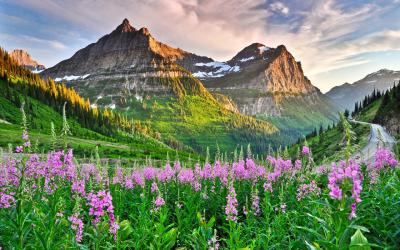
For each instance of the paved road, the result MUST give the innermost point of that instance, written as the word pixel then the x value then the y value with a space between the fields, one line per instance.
pixel 378 138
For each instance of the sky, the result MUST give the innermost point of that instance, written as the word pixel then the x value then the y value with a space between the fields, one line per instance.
pixel 336 41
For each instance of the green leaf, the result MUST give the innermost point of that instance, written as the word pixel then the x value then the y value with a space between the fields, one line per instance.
pixel 310 246
pixel 125 229
pixel 359 241
pixel 364 229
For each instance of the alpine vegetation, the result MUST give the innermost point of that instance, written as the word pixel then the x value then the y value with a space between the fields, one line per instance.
pixel 51 201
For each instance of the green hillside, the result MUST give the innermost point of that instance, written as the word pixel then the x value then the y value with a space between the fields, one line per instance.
pixel 196 120
pixel 384 110
pixel 83 140
pixel 329 145
pixel 113 134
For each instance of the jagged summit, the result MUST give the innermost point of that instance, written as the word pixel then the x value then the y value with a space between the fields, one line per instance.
pixel 24 59
pixel 253 51
pixel 124 27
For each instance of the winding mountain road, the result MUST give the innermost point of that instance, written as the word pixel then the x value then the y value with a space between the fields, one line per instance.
pixel 378 138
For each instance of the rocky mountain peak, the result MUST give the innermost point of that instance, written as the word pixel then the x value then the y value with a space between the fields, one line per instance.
pixel 144 31
pixel 253 51
pixel 23 58
pixel 124 27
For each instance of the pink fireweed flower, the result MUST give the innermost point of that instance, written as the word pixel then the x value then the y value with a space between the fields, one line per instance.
pixel 101 203
pixel 118 177
pixel 231 205
pixel 268 187
pixel 159 201
pixel 90 171
pixel 77 226
pixel 167 174
pixel 305 190
pixel 255 205
pixel 384 157
pixel 345 171
pixel 25 135
pixel 305 150
pixel 150 173
pixel 186 176
pixel 207 172
pixel 6 200
pixel 19 149
pixel 177 166
pixel 78 186
pixel 321 170
pixel 297 164
pixel 353 211
pixel 281 208
pixel 137 178
pixel 245 210
pixel 196 186
pixel 154 187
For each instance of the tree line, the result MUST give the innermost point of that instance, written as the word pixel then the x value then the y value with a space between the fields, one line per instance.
pixel 54 95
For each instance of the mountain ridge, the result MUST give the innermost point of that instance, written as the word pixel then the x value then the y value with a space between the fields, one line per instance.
pixel 130 71
pixel 346 95
pixel 130 67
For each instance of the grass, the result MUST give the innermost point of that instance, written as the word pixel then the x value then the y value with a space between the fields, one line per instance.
pixel 368 114
pixel 199 122
pixel 330 146
pixel 123 146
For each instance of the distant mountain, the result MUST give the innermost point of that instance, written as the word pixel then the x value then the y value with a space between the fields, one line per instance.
pixel 384 110
pixel 24 59
pixel 130 71
pixel 346 95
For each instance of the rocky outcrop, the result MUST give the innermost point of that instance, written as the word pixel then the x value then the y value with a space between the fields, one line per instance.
pixel 266 82
pixel 24 59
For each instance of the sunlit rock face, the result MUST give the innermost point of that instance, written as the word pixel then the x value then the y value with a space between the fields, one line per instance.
pixel 23 58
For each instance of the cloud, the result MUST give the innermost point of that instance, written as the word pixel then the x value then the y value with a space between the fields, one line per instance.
pixel 279 7
pixel 325 35
pixel 52 43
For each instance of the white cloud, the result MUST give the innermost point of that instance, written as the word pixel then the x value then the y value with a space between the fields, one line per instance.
pixel 279 7
pixel 323 35
pixel 52 43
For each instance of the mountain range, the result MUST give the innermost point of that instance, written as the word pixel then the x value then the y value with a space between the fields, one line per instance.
pixel 182 94
pixel 346 95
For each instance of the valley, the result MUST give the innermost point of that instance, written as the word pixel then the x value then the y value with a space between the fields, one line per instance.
pixel 113 139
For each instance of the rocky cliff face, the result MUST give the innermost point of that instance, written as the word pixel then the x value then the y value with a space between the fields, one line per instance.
pixel 259 80
pixel 24 59
pixel 346 95
pixel 128 62
pixel 266 82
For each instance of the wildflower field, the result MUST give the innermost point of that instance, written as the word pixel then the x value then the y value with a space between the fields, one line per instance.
pixel 51 201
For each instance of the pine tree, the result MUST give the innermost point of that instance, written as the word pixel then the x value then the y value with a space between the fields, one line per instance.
pixel 346 113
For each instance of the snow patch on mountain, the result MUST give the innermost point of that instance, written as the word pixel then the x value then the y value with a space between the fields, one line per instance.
pixel 71 78
pixel 218 69
pixel 37 71
pixel 263 49
pixel 247 59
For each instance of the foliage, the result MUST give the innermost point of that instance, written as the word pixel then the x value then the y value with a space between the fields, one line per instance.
pixel 52 201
